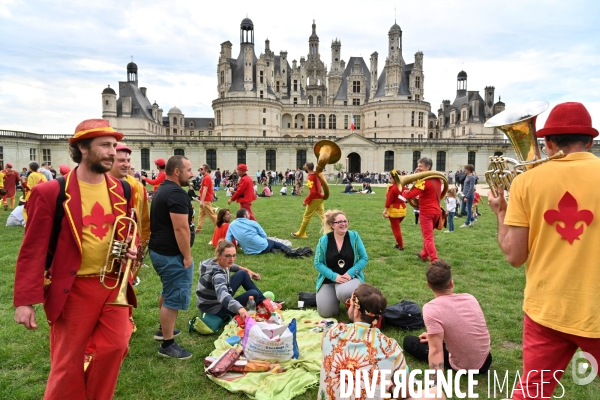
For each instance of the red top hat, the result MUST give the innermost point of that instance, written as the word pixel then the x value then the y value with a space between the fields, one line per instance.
pixel 91 128
pixel 122 147
pixel 568 119
pixel 160 162
pixel 242 167
pixel 64 169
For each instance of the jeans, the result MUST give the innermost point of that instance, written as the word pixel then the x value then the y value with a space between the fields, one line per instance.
pixel 241 278
pixel 451 221
pixel 469 207
pixel 273 245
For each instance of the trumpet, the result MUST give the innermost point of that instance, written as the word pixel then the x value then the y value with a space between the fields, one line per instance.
pixel 327 152
pixel 518 124
pixel 404 180
pixel 116 256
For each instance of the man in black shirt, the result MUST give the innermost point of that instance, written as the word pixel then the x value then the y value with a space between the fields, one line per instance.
pixel 172 227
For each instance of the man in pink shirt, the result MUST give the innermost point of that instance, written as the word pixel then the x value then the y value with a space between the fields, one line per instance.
pixel 457 336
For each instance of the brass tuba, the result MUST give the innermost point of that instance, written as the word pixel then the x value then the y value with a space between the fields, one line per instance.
pixel 326 152
pixel 403 180
pixel 117 256
pixel 518 124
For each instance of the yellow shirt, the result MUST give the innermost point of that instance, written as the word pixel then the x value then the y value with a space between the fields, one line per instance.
pixel 97 226
pixel 558 202
pixel 33 179
pixel 1 179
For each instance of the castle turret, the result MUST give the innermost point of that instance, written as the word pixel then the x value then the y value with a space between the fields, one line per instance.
pixel 247 47
pixel 109 103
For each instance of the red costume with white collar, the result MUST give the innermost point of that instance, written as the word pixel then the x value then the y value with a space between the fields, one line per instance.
pixel 244 194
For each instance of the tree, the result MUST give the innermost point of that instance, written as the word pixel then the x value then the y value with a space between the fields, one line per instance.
pixel 338 166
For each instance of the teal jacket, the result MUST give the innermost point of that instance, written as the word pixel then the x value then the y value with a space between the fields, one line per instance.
pixel 360 259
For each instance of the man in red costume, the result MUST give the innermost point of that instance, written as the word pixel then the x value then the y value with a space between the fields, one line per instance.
pixel 395 210
pixel 428 191
pixel 244 194
pixel 313 202
pixel 160 165
pixel 74 300
pixel 10 184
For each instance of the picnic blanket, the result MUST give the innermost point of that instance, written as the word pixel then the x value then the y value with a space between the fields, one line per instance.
pixel 300 374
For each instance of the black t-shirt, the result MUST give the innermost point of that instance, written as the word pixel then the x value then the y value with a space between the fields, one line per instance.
pixel 169 198
pixel 339 261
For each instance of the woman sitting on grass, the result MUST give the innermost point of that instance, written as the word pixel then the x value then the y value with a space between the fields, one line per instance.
pixel 340 259
pixel 215 290
pixel 223 220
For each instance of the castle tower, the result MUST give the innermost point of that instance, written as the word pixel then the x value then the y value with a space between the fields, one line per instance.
pixel 489 101
pixel 393 64
pixel 336 70
pixel 373 59
pixel 247 47
pixel 417 79
pixel 109 103
pixel 132 71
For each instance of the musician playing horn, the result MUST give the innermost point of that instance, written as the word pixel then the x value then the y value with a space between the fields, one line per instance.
pixel 313 202
pixel 552 223
pixel 428 191
pixel 75 301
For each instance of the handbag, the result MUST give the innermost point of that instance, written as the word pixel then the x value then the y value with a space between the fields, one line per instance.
pixel 207 324
pixel 441 222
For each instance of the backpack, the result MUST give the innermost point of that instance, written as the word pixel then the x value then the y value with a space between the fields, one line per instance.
pixel 59 214
pixel 405 315
pixel 298 253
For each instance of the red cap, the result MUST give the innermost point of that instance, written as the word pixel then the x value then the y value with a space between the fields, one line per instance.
pixel 242 167
pixel 122 147
pixel 91 128
pixel 160 162
pixel 63 169
pixel 568 119
pixel 8 165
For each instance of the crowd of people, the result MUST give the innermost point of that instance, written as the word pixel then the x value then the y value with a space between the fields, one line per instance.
pixel 549 227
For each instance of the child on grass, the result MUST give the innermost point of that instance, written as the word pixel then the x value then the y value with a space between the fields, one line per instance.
pixel 451 208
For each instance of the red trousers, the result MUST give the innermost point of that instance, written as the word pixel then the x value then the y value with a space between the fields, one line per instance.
pixel 429 251
pixel 395 223
pixel 248 206
pixel 84 318
pixel 548 350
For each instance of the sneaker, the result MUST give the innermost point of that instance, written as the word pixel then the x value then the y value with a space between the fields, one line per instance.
pixel 398 247
pixel 421 258
pixel 174 351
pixel 465 226
pixel 158 336
pixel 448 231
pixel 298 236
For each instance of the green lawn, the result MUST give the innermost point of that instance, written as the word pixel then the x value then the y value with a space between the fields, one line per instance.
pixel 478 268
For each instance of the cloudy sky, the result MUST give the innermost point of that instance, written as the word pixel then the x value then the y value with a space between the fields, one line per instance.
pixel 56 57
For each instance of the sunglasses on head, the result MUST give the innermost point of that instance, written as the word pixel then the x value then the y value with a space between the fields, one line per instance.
pixel 354 299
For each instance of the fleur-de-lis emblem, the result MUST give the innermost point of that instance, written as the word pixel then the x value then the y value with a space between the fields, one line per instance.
pixel 98 219
pixel 569 215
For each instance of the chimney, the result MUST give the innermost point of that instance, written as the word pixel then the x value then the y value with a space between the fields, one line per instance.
pixel 143 89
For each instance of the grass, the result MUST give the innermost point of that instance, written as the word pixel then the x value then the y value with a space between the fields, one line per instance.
pixel 478 268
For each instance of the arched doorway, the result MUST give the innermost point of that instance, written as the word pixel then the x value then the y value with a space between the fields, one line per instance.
pixel 353 161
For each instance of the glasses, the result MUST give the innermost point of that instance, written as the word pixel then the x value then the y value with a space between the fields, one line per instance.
pixel 344 221
pixel 201 169
pixel 229 255
pixel 354 299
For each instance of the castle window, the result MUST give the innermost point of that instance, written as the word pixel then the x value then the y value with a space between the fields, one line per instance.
pixel 261 77
pixel 321 121
pixel 421 119
pixel 264 121
pixel 264 133
pixel 418 82
pixel 355 86
pixel 241 156
pixel 375 126
pixel 318 100
pixel 179 152
pixel 417 97
pixel 200 133
pixel 174 131
pixel 271 160
pixel 191 124
pixel 388 161
pixel 453 134
pixel 46 156
pixel 375 113
pixel 106 102
pixel 310 100
pixel 471 158
pixel 345 122
pixel 295 100
pixel 191 133
pixel 300 158
pixel 211 158
pixel 295 85
pixel 416 157
pixel 311 121
pixel 440 161
pixel 332 121
pixel 357 122
pixel 431 124
pixel 222 77
pixel 209 133
pixel 181 121
pixel 452 118
pixel 222 95
pixel 277 86
pixel 464 129
pixel 218 117
pixel 412 118
pixel 145 153
pixel 174 121
pixel 264 110
pixel 464 115
pixel 356 102
pixel 261 94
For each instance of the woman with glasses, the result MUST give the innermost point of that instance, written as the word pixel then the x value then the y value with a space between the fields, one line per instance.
pixel 215 290
pixel 340 259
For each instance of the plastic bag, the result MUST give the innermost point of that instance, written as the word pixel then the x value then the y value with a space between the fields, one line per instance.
pixel 264 341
